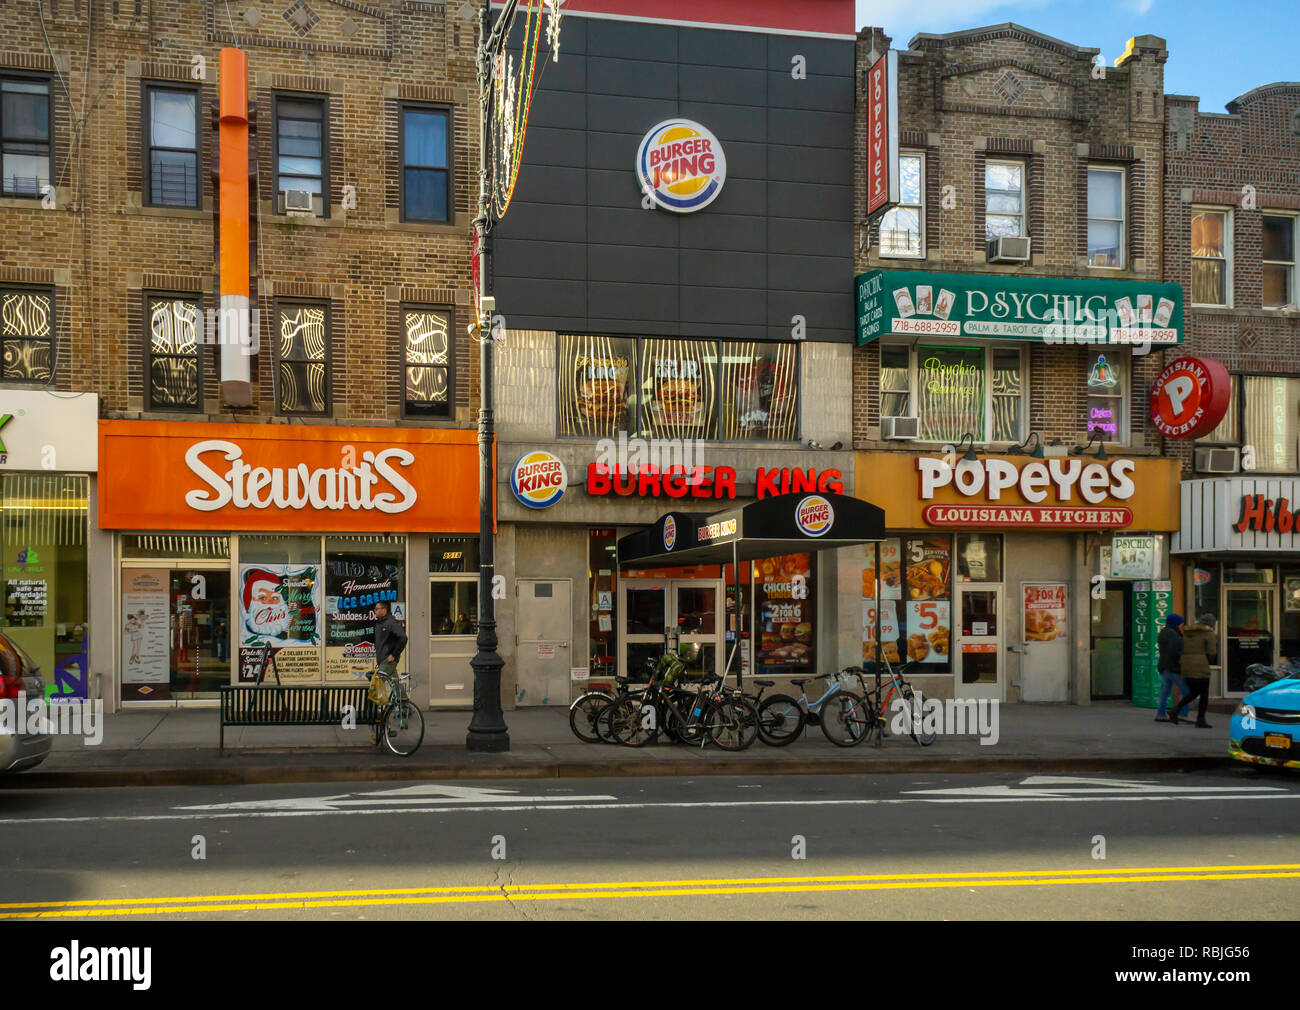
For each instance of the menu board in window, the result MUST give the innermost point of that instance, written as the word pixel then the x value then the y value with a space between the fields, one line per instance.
pixel 927 581
pixel 354 583
pixel 678 388
pixel 596 385
pixel 783 598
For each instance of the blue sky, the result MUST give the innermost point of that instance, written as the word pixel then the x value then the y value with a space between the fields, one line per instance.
pixel 1218 61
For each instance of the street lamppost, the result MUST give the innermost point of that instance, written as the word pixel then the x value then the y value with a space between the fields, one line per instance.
pixel 497 97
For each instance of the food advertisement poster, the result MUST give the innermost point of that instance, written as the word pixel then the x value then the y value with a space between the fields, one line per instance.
pixel 783 590
pixel 595 375
pixel 1044 611
pixel 679 387
pixel 927 608
pixel 146 630
pixel 888 631
pixel 354 583
pixel 280 605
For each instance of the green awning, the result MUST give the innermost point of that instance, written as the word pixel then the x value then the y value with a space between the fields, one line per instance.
pixel 911 303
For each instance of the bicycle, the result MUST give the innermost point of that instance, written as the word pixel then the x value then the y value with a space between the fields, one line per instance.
pixel 711 714
pixel 782 718
pixel 400 727
pixel 874 714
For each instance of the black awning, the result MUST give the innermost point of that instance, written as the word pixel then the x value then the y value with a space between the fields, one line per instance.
pixel 783 524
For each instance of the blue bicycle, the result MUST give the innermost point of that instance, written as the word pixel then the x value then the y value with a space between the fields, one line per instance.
pixel 782 718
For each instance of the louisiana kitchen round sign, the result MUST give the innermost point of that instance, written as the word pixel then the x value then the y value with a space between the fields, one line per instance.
pixel 538 479
pixel 1190 397
pixel 681 166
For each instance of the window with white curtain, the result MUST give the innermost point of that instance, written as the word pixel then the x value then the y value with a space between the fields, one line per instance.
pixel 1272 421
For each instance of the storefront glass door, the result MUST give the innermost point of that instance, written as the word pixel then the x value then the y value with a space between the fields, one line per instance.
pixel 1112 675
pixel 655 613
pixel 1249 626
pixel 979 642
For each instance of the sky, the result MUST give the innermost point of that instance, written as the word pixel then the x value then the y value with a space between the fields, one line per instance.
pixel 1208 58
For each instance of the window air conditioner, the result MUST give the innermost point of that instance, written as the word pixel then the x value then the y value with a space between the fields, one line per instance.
pixel 302 202
pixel 908 428
pixel 1009 249
pixel 1217 460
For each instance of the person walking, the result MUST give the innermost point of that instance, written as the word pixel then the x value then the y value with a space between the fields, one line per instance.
pixel 1200 649
pixel 1170 643
pixel 390 639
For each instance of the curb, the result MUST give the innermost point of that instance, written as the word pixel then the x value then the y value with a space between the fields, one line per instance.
pixel 280 774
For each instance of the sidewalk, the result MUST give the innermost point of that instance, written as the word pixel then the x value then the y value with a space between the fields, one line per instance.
pixel 179 747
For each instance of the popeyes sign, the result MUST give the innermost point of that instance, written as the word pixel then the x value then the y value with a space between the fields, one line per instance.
pixel 1190 397
pixel 882 133
pixel 190 476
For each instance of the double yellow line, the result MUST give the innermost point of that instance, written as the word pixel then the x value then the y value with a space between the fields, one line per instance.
pixel 604 891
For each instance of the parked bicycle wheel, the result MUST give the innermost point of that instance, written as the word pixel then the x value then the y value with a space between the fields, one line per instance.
pixel 633 722
pixel 732 722
pixel 780 720
pixel 845 719
pixel 584 713
pixel 913 717
pixel 403 730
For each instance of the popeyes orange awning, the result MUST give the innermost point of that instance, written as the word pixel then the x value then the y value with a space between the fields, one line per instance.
pixel 159 475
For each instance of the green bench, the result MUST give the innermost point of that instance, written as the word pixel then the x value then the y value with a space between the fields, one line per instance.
pixel 264 705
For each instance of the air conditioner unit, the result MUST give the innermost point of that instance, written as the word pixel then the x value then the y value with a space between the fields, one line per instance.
pixel 1217 460
pixel 301 202
pixel 908 428
pixel 1009 249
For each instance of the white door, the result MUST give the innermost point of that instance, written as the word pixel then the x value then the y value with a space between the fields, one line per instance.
pixel 543 623
pixel 1045 641
pixel 656 614
pixel 977 649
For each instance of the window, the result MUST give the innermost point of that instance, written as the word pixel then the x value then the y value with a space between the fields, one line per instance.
pixel 27 334
pixel 174 365
pixel 1228 428
pixel 1279 261
pixel 914 611
pixel 427 367
pixel 901 229
pixel 1272 421
pixel 25 130
pixel 1108 394
pixel 171 146
pixel 300 162
pixel 304 359
pixel 956 391
pixel 1211 257
pixel 732 390
pixel 453 585
pixel 1105 217
pixel 1004 199
pixel 426 164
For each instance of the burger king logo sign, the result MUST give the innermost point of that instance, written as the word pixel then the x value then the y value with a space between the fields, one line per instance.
pixel 681 166
pixel 814 516
pixel 538 480
pixel 670 532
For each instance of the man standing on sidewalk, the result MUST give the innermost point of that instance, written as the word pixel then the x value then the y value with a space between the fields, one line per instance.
pixel 390 639
pixel 1170 644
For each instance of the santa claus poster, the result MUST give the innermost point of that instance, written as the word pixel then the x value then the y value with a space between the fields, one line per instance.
pixel 280 606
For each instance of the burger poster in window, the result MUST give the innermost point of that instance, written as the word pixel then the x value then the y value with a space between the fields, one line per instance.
pixel 280 605
pixel 1044 611
pixel 595 373
pixel 783 590
pixel 679 388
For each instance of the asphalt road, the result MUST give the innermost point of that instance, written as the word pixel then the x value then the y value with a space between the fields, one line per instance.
pixel 1217 844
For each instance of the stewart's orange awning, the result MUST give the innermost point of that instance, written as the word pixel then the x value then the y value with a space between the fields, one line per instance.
pixel 161 475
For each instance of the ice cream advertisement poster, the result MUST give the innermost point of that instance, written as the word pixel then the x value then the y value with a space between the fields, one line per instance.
pixel 280 605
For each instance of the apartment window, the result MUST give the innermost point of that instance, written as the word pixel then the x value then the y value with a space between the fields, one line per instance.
pixel 901 229
pixel 25 132
pixel 304 359
pixel 956 391
pixel 171 146
pixel 1108 385
pixel 175 326
pixel 1228 430
pixel 1004 199
pixel 1211 257
pixel 427 366
pixel 426 164
pixel 1272 421
pixel 27 335
pixel 1279 261
pixel 1105 217
pixel 300 138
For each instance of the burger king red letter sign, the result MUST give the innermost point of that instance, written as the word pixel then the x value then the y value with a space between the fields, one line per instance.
pixel 538 479
pixel 1190 397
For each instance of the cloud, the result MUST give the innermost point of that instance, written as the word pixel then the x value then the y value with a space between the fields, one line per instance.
pixel 1140 6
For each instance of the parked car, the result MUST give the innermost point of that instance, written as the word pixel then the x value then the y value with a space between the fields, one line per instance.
pixel 19 676
pixel 1266 726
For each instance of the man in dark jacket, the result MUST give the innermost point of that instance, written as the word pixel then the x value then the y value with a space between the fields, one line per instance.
pixel 1200 649
pixel 1170 644
pixel 390 639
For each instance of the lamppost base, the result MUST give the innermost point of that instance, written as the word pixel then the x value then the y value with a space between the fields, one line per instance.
pixel 488 741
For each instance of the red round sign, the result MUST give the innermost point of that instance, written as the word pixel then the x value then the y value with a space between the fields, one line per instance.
pixel 1190 397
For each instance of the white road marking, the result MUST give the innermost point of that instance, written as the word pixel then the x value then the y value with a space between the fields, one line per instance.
pixel 413 795
pixel 1060 786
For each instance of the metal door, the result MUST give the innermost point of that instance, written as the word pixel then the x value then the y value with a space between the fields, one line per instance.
pixel 543 626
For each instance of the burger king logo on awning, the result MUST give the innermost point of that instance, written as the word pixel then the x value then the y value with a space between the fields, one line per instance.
pixel 814 516
pixel 670 532
pixel 681 166
pixel 538 479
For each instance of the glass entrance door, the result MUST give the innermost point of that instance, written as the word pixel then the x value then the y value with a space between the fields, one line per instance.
pixel 200 631
pixel 978 648
pixel 1112 675
pixel 1249 624
pixel 658 614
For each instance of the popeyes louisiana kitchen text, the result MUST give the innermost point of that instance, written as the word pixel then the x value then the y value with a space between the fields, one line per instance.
pixel 255 542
